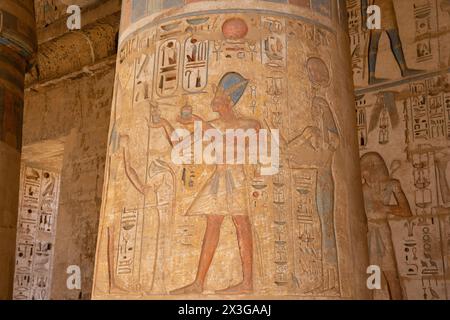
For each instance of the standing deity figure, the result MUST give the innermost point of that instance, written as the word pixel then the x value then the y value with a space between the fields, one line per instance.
pixel 320 141
pixel 390 26
pixel 379 188
pixel 158 192
pixel 225 192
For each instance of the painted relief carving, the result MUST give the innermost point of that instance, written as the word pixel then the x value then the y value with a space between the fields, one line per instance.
pixel 236 43
pixel 411 50
pixel 384 115
pixel 168 65
pixel 143 65
pixel 320 141
pixel 404 122
pixel 421 265
pixel 383 198
pixel 225 193
pixel 420 140
pixel 196 229
pixel 390 26
pixel 274 45
pixel 36 234
pixel 195 64
pixel 422 14
pixel 318 72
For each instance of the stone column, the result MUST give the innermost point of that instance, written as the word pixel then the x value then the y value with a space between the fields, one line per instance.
pixel 17 45
pixel 193 230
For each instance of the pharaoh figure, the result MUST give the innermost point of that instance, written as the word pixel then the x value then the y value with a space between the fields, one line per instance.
pixel 315 147
pixel 383 197
pixel 390 26
pixel 225 192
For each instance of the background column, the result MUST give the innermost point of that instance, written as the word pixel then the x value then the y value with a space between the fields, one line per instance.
pixel 17 45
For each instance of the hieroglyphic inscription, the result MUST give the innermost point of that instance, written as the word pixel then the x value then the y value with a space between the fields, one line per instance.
pixel 36 229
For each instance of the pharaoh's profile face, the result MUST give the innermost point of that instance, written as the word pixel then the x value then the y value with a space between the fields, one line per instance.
pixel 221 103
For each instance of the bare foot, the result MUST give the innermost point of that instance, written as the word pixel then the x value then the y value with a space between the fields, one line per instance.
pixel 241 288
pixel 194 288
pixel 115 289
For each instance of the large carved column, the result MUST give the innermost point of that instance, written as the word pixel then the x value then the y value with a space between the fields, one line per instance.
pixel 17 44
pixel 227 230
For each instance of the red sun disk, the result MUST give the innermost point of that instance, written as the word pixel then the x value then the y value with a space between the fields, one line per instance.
pixel 234 29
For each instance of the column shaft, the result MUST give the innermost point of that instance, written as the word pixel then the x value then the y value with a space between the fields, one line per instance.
pixel 290 225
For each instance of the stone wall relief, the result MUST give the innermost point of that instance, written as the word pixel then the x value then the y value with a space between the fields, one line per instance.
pixel 36 234
pixel 391 28
pixel 404 120
pixel 383 198
pixel 427 135
pixel 423 26
pixel 418 149
pixel 384 116
pixel 418 244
